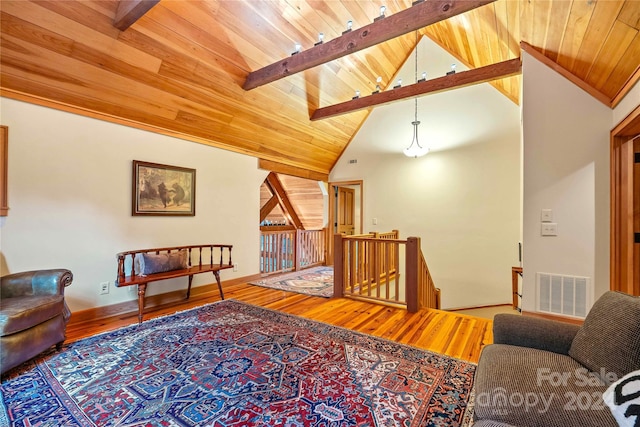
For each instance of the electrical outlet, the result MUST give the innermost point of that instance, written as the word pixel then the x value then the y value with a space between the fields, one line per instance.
pixel 104 288
pixel 235 267
pixel 549 229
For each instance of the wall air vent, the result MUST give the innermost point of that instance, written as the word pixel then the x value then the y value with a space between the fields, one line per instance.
pixel 352 161
pixel 564 295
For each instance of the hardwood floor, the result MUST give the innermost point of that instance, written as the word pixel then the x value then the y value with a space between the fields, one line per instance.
pixel 456 335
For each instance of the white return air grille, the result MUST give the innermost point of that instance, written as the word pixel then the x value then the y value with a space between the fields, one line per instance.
pixel 563 295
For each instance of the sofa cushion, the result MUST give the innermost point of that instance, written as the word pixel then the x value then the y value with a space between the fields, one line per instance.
pixel 529 387
pixel 609 340
pixel 159 263
pixel 20 313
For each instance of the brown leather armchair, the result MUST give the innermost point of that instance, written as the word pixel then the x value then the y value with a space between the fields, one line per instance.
pixel 33 314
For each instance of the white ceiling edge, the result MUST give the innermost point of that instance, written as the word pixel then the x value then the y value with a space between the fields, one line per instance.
pixel 448 120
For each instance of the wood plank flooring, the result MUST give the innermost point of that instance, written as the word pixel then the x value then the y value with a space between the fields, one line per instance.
pixel 457 335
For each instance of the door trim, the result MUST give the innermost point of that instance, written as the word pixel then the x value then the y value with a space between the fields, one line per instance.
pixel 332 219
pixel 619 262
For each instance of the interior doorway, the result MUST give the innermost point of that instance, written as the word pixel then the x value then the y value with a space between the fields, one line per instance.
pixel 345 211
pixel 625 205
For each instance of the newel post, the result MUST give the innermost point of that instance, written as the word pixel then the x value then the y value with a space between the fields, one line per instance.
pixel 413 255
pixel 338 266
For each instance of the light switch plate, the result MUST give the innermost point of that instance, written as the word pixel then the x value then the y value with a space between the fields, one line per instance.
pixel 546 215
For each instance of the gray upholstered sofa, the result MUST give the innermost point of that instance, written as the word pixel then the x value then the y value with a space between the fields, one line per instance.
pixel 33 314
pixel 545 373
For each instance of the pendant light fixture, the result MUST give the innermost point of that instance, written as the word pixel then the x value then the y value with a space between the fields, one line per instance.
pixel 415 149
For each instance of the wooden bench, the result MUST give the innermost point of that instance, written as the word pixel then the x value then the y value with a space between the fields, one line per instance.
pixel 135 276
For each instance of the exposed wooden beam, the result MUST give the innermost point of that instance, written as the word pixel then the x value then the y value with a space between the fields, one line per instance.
pixel 284 169
pixel 418 16
pixel 129 11
pixel 277 189
pixel 440 84
pixel 268 207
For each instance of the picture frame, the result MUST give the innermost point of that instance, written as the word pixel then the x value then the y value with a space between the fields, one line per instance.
pixel 163 190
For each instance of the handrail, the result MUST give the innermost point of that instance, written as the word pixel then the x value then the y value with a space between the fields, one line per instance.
pixel 291 250
pixel 367 267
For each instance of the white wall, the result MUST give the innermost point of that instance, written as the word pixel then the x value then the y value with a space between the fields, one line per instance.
pixel 566 169
pixel 70 200
pixel 462 199
pixel 626 105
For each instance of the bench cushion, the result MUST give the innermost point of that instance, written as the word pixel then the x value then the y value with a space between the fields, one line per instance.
pixel 159 263
pixel 20 313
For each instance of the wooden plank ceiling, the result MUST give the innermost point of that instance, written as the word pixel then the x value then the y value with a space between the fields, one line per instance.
pixel 180 68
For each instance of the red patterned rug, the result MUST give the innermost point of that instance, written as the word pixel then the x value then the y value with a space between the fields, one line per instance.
pixel 317 281
pixel 234 364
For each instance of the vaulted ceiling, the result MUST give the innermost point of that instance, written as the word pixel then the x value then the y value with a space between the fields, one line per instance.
pixel 180 68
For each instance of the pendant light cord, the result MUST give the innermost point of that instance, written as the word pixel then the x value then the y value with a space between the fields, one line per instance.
pixel 416 77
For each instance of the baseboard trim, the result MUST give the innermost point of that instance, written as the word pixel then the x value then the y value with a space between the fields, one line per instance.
pixel 547 316
pixel 477 306
pixel 131 307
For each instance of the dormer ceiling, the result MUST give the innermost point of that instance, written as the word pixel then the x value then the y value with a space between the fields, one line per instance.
pixel 179 69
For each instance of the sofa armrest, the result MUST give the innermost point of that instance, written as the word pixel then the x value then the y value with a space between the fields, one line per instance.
pixel 533 332
pixel 38 282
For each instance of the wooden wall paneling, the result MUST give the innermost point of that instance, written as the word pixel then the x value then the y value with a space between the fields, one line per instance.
pixel 107 45
pixel 601 21
pixel 85 13
pixel 513 28
pixel 575 29
pixel 613 49
pixel 558 16
pixel 625 67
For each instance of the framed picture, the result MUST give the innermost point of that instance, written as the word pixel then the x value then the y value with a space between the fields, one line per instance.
pixel 163 190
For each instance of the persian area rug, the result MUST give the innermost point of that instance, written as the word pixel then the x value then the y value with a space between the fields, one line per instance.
pixel 317 281
pixel 234 364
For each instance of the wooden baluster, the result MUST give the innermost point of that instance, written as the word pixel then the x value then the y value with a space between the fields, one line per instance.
pixel 297 250
pixel 200 256
pixel 189 257
pixel 230 262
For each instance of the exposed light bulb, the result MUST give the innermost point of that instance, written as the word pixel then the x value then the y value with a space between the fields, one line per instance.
pixel 383 9
pixel 297 48
pixel 424 75
pixel 321 37
pixel 378 80
pixel 349 24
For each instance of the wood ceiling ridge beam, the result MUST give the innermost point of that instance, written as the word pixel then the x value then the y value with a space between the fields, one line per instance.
pixel 129 11
pixel 418 16
pixel 278 190
pixel 451 81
